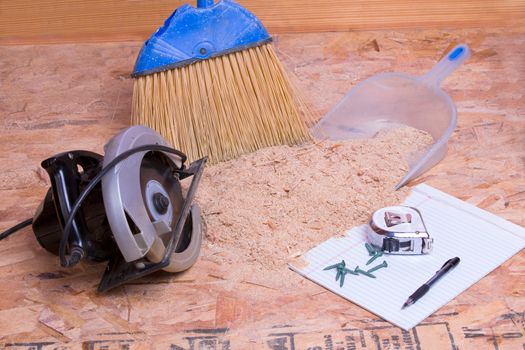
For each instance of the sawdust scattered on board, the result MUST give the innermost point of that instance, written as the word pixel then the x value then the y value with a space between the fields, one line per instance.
pixel 269 207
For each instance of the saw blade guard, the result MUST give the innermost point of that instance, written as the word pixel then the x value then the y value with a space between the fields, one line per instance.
pixel 188 250
pixel 143 199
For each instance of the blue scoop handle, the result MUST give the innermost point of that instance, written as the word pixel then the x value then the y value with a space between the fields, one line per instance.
pixel 447 65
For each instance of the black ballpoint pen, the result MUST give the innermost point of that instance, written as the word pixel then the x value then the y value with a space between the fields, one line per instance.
pixel 425 287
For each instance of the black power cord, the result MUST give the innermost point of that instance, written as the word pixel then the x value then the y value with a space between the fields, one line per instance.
pixel 76 254
pixel 15 228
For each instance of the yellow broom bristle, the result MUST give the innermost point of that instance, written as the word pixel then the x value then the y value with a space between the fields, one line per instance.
pixel 222 107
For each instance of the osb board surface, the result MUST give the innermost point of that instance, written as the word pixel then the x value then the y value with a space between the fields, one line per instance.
pixel 57 98
pixel 45 21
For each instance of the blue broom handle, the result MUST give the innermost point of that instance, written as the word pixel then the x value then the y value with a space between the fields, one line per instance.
pixel 204 3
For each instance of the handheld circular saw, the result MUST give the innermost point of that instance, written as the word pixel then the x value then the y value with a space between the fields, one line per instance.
pixel 127 207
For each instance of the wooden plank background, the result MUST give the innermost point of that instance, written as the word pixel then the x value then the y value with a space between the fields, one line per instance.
pixel 52 21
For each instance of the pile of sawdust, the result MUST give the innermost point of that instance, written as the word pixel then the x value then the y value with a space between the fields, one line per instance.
pixel 268 207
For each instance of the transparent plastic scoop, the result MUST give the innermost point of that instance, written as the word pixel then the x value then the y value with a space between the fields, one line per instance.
pixel 390 100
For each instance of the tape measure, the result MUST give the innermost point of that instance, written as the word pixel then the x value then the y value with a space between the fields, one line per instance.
pixel 399 230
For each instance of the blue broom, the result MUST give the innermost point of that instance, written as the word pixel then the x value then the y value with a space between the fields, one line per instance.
pixel 209 81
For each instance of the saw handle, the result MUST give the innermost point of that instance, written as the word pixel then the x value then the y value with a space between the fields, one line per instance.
pixel 65 171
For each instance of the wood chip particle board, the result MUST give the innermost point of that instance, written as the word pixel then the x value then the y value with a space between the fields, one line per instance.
pixel 268 207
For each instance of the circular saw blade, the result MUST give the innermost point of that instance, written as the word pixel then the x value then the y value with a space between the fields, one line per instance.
pixel 157 179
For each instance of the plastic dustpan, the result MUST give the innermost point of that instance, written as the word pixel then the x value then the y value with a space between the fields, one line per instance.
pixel 390 100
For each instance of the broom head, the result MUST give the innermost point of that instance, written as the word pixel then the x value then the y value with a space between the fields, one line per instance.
pixel 211 84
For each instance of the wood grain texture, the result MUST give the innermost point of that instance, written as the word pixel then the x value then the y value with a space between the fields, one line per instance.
pixel 76 96
pixel 48 21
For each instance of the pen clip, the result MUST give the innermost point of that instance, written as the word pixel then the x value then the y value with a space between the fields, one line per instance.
pixel 446 262
pixel 453 262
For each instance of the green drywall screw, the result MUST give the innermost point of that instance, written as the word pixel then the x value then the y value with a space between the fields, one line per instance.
pixel 380 266
pixel 350 272
pixel 340 268
pixel 358 270
pixel 371 250
pixel 335 266
pixel 377 254
pixel 342 281
pixel 343 271
pixel 338 274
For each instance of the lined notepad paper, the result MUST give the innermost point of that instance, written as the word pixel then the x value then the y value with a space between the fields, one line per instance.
pixel 482 240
